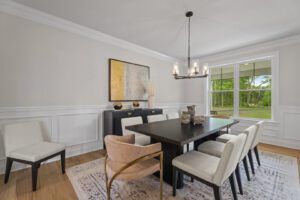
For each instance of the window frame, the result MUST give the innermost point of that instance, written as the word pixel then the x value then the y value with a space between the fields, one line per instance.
pixel 220 91
pixel 273 57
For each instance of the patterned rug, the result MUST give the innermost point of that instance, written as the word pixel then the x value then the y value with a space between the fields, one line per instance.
pixel 276 179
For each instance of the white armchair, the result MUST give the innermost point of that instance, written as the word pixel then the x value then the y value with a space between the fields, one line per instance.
pixel 23 142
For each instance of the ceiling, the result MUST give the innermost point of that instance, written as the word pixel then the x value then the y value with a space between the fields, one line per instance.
pixel 161 25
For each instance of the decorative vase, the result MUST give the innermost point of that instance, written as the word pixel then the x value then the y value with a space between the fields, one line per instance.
pixel 118 106
pixel 135 104
pixel 191 111
pixel 185 117
pixel 151 102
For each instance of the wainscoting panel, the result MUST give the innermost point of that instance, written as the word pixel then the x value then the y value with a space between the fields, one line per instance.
pixel 77 129
pixel 291 126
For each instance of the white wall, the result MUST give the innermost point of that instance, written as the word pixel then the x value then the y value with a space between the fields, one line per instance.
pixel 61 79
pixel 284 130
pixel 45 66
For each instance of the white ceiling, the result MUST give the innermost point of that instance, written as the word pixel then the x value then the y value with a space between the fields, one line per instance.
pixel 160 25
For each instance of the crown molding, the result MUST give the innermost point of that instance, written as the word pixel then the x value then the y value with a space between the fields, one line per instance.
pixel 17 9
pixel 272 45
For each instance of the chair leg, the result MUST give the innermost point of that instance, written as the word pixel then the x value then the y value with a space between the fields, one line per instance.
pixel 257 155
pixel 217 193
pixel 238 178
pixel 251 161
pixel 161 175
pixel 63 162
pixel 232 184
pixel 108 191
pixel 246 168
pixel 175 176
pixel 34 174
pixel 9 163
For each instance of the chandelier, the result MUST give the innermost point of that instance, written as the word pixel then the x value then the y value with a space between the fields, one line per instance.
pixel 193 71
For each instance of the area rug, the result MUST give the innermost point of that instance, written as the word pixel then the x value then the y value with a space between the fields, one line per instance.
pixel 276 179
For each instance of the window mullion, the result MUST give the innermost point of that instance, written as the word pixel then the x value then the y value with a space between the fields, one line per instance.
pixel 236 99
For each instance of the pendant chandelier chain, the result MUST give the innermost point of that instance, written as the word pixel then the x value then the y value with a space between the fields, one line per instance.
pixel 189 43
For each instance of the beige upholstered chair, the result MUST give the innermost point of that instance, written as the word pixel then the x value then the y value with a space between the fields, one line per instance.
pixel 216 148
pixel 23 142
pixel 226 137
pixel 127 161
pixel 209 169
pixel 139 138
pixel 156 118
pixel 173 115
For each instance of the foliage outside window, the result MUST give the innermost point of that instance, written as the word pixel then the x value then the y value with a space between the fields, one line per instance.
pixel 242 90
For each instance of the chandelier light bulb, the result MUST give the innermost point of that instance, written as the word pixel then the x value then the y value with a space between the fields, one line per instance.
pixel 205 70
pixel 175 70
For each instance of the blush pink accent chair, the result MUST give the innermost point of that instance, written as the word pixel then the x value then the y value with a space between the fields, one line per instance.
pixel 127 161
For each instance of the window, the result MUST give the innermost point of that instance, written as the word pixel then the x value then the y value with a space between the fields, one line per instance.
pixel 222 84
pixel 242 89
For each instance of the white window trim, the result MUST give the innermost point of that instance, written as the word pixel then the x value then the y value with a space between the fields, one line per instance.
pixel 274 57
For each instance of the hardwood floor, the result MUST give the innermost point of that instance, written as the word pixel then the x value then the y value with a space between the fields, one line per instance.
pixel 53 185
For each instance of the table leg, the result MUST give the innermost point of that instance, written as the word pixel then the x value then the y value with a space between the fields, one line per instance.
pixel 180 150
pixel 171 151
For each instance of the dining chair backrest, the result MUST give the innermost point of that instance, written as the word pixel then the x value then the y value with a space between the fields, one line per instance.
pixel 250 132
pixel 119 148
pixel 173 115
pixel 130 122
pixel 229 158
pixel 123 150
pixel 23 134
pixel 259 125
pixel 156 118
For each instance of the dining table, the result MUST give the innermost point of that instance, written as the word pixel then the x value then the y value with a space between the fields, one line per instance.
pixel 174 135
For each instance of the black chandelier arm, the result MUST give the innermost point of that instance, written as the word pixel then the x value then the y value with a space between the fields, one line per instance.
pixel 189 77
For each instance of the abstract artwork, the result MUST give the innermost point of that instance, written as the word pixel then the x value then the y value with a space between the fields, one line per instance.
pixel 128 81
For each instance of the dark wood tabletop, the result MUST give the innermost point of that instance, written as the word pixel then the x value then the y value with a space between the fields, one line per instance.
pixel 172 131
pixel 173 136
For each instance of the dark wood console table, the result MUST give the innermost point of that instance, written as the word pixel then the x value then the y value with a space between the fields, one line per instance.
pixel 112 118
